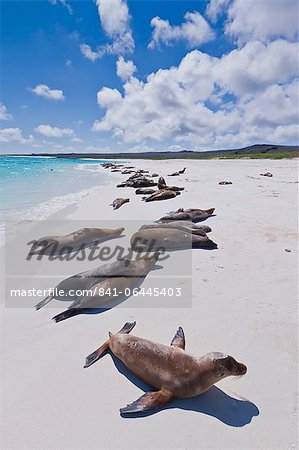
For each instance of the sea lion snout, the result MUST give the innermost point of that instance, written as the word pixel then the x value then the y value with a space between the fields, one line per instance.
pixel 242 369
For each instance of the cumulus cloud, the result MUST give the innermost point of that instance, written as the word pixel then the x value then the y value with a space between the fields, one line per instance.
pixel 242 96
pixel 14 135
pixel 257 19
pixel 4 115
pixel 43 90
pixel 49 131
pixel 195 30
pixel 125 69
pixel 215 8
pixel 115 20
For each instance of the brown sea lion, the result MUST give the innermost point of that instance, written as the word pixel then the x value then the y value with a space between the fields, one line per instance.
pixel 118 202
pixel 110 289
pixel 85 237
pixel 145 191
pixel 155 239
pixel 162 194
pixel 195 215
pixel 162 185
pixel 85 280
pixel 167 368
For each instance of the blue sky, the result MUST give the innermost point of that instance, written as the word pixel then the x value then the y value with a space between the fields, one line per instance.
pixel 112 75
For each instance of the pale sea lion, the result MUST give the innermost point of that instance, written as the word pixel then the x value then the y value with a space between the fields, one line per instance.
pixel 180 225
pixel 155 239
pixel 110 289
pixel 168 368
pixel 85 237
pixel 118 202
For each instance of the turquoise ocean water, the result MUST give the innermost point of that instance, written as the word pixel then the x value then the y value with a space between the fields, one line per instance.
pixel 33 188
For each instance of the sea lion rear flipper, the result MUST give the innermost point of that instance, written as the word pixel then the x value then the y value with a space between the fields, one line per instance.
pixel 44 302
pixel 150 400
pixel 179 339
pixel 97 354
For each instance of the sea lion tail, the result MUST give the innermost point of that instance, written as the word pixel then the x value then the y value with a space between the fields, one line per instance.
pixel 43 302
pixel 102 350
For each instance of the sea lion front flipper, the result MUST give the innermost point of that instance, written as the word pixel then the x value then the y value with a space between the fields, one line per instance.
pixel 179 339
pixel 148 401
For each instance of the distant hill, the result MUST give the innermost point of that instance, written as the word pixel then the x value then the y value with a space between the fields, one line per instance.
pixel 256 150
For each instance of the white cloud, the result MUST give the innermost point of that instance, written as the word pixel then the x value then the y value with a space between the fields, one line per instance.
pixel 43 90
pixel 64 3
pixel 76 139
pixel 262 20
pixel 216 8
pixel 4 115
pixel 195 30
pixel 68 63
pixel 115 21
pixel 49 131
pixel 252 89
pixel 87 51
pixel 14 135
pixel 125 69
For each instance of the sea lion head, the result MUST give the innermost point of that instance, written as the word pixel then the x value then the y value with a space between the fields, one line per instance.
pixel 222 366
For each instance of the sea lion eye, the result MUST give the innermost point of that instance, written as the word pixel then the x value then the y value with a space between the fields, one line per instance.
pixel 222 373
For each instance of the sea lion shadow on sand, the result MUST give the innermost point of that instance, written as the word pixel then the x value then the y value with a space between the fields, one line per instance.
pixel 216 403
pixel 120 299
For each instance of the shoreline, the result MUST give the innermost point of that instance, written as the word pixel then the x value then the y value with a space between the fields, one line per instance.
pixel 244 302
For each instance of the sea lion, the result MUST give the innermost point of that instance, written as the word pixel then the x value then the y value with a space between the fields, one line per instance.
pixel 168 368
pixel 118 202
pixel 222 183
pixel 180 225
pixel 195 215
pixel 154 175
pixel 163 194
pixel 111 288
pixel 85 237
pixel 85 280
pixel 179 172
pixel 158 239
pixel 267 174
pixel 145 191
pixel 162 185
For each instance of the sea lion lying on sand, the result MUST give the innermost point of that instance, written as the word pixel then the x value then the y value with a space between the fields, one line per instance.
pixel 167 368
pixel 195 215
pixel 162 194
pixel 85 280
pixel 86 237
pixel 180 225
pixel 158 239
pixel 145 191
pixel 118 202
pixel 162 185
pixel 110 289
pixel 222 183
pixel 175 174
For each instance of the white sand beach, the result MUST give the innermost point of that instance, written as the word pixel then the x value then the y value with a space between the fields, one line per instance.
pixel 244 303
